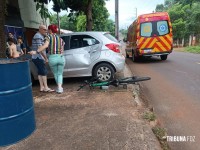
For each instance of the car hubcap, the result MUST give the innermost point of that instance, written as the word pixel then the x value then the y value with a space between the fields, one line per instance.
pixel 104 73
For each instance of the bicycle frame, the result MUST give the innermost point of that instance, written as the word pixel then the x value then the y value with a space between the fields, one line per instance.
pixel 116 82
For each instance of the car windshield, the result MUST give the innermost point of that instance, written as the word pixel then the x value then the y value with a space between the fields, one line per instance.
pixel 110 37
pixel 156 28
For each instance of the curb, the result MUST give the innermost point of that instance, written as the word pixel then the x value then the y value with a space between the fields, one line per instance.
pixel 134 87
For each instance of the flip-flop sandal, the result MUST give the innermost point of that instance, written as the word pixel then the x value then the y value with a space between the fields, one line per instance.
pixel 49 90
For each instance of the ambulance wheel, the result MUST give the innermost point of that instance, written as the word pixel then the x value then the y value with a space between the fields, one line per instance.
pixel 134 58
pixel 163 57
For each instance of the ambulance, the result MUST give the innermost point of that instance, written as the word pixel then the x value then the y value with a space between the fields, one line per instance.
pixel 150 35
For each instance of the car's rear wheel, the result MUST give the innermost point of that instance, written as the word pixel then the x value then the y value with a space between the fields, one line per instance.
pixel 104 72
pixel 127 56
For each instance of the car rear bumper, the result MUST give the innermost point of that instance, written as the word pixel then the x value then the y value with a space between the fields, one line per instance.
pixel 119 63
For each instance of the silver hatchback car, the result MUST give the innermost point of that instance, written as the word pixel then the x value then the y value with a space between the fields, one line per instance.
pixel 95 54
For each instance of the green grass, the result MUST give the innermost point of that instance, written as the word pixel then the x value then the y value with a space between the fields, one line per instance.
pixel 193 49
pixel 150 116
pixel 160 133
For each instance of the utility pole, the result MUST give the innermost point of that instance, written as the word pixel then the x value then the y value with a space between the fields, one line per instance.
pixel 136 11
pixel 117 19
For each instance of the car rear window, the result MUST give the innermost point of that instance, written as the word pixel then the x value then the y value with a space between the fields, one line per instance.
pixel 110 37
pixel 156 28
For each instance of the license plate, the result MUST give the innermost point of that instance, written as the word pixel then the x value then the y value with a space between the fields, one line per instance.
pixel 147 50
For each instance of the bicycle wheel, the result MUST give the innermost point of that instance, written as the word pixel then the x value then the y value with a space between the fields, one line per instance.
pixel 131 80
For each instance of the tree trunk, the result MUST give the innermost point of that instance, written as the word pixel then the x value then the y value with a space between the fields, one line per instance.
pixel 190 40
pixel 89 16
pixel 2 34
pixel 183 41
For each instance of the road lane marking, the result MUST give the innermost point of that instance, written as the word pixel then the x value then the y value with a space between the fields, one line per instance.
pixel 198 63
pixel 179 71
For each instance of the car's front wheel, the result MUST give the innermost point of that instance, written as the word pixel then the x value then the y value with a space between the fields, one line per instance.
pixel 104 72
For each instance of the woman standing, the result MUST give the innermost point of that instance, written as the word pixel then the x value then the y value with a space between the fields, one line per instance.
pixel 55 47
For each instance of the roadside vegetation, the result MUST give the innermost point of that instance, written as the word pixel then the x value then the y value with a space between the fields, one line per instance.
pixel 185 18
pixel 150 116
pixel 78 23
pixel 193 49
pixel 159 132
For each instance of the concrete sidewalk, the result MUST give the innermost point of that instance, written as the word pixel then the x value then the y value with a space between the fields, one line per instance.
pixel 88 120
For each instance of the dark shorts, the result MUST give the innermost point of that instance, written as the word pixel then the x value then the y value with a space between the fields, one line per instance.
pixel 41 67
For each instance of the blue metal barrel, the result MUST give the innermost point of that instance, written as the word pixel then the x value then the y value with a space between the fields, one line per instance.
pixel 17 120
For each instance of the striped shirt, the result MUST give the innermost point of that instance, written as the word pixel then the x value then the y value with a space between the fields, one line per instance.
pixel 37 41
pixel 56 44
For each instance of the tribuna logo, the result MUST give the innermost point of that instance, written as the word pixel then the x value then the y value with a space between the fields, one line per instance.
pixel 181 138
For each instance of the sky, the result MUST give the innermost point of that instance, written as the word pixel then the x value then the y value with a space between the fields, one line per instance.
pixel 127 9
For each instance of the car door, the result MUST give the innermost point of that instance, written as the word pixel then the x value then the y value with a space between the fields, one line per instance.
pixel 94 47
pixel 79 56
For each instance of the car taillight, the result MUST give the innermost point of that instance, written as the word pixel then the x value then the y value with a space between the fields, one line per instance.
pixel 114 47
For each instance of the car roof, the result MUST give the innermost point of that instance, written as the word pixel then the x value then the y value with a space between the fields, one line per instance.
pixel 86 32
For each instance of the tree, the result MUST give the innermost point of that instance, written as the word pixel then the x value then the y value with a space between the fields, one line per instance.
pixel 80 6
pixel 178 18
pixel 159 8
pixel 185 17
pixel 194 18
pixel 168 3
pixel 58 5
pixel 65 22
pixel 44 13
pixel 100 16
pixel 110 26
pixel 81 23
pixel 2 34
pixel 186 2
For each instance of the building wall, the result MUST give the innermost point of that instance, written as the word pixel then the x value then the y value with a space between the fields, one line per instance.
pixel 31 19
pixel 22 14
pixel 29 15
pixel 13 17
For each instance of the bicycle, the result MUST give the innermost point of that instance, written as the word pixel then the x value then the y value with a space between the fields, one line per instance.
pixel 93 82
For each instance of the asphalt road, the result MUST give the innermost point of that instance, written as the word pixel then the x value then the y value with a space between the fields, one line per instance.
pixel 174 92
